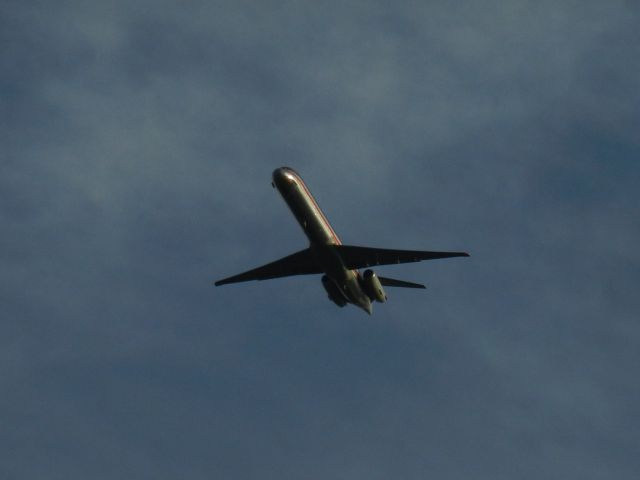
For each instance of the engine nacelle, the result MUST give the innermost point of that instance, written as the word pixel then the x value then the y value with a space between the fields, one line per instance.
pixel 372 287
pixel 335 295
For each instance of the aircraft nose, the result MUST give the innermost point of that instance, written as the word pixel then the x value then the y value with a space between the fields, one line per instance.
pixel 283 176
pixel 277 173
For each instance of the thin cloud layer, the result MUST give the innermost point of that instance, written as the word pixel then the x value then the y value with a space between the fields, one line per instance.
pixel 138 143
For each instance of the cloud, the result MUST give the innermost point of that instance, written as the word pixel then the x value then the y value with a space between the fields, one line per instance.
pixel 139 140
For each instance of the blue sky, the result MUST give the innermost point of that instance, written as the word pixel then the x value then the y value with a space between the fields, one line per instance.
pixel 138 140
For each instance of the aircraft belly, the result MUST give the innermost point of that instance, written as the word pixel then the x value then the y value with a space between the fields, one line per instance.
pixel 355 294
pixel 309 216
pixel 330 262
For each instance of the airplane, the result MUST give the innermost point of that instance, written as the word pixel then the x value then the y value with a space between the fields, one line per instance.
pixel 327 255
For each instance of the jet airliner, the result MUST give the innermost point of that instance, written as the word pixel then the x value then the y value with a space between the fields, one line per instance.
pixel 327 255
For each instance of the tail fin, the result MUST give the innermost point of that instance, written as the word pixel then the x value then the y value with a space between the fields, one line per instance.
pixel 390 282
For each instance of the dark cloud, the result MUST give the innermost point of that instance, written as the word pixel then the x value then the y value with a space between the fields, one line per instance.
pixel 138 141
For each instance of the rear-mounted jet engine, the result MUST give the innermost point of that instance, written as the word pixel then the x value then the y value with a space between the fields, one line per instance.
pixel 335 295
pixel 372 287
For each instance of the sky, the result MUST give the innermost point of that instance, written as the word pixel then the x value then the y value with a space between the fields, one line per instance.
pixel 138 141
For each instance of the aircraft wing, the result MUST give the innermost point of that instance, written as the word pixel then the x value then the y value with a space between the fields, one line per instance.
pixel 360 257
pixel 299 263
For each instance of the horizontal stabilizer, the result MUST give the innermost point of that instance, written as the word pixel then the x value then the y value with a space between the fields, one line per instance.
pixel 392 282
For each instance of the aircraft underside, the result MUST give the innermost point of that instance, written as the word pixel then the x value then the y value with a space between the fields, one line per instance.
pixel 339 264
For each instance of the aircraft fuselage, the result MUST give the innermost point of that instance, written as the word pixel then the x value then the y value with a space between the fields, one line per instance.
pixel 321 236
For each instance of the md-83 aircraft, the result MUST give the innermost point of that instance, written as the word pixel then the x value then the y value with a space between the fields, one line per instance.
pixel 326 254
